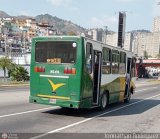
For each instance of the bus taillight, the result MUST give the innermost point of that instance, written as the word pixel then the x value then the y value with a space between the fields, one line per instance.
pixel 39 69
pixel 65 71
pixel 73 70
pixel 70 71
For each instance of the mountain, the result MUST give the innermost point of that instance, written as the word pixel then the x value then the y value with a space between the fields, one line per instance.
pixel 22 17
pixel 3 14
pixel 63 26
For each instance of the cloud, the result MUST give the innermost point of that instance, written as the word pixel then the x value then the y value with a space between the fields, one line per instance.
pixel 57 3
pixel 156 8
pixel 100 22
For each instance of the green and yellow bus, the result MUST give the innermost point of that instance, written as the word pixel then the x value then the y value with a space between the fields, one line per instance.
pixel 77 72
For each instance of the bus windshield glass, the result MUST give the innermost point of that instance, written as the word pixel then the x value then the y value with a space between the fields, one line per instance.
pixel 55 52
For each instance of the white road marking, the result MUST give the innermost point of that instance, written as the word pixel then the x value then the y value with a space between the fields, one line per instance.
pixel 20 113
pixel 54 76
pixel 88 119
pixel 146 89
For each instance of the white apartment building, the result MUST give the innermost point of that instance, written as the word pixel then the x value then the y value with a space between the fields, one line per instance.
pixel 111 39
pixel 128 42
pixel 149 42
pixel 96 34
pixel 156 24
pixel 141 43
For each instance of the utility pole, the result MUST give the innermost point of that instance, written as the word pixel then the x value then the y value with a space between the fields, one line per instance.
pixel 5 45
pixel 5 40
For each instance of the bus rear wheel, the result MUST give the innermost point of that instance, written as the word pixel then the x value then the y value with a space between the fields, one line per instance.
pixel 104 101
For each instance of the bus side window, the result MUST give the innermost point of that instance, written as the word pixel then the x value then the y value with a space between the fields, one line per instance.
pixel 122 65
pixel 89 51
pixel 115 61
pixel 106 61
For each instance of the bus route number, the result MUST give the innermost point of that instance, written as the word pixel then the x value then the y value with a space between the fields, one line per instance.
pixel 54 60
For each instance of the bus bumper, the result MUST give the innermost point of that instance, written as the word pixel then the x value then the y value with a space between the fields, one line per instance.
pixel 55 102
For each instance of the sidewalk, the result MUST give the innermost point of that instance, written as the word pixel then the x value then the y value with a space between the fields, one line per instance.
pixel 9 83
pixel 145 82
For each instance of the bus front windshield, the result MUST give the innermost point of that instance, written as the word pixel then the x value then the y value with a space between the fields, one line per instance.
pixel 55 52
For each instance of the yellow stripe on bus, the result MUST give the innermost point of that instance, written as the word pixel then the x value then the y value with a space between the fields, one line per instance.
pixel 121 96
pixel 54 97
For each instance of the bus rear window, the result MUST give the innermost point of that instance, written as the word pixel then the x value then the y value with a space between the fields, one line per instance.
pixel 55 52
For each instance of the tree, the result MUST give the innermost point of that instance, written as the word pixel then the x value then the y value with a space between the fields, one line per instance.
pixel 19 73
pixel 145 54
pixel 6 64
pixel 158 55
pixel 8 25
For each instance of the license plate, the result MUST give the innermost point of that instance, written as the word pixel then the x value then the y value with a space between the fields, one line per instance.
pixel 52 101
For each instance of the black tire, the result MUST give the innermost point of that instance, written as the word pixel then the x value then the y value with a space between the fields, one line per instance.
pixel 103 101
pixel 127 100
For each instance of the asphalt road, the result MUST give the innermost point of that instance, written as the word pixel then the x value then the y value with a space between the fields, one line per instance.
pixel 17 115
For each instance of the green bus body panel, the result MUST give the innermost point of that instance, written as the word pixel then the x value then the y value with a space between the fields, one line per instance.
pixel 76 88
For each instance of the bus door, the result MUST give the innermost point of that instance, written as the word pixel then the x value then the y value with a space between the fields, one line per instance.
pixel 96 75
pixel 128 76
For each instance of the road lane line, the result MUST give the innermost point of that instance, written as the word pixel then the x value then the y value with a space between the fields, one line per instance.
pixel 88 119
pixel 20 113
pixel 146 89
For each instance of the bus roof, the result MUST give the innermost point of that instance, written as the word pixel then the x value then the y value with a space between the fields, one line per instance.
pixel 57 36
pixel 86 38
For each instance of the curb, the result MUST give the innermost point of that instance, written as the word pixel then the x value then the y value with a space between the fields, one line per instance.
pixel 14 85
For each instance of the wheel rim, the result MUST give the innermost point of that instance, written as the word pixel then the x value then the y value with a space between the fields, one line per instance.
pixel 104 100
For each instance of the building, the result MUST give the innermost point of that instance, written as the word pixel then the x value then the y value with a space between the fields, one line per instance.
pixel 128 42
pixel 30 22
pixel 96 34
pixel 147 44
pixel 111 39
pixel 156 24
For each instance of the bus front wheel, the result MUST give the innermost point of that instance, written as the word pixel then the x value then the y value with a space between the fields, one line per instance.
pixel 103 101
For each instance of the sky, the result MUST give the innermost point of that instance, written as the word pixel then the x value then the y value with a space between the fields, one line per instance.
pixel 89 13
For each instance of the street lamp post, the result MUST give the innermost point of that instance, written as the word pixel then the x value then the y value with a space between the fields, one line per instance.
pixel 5 32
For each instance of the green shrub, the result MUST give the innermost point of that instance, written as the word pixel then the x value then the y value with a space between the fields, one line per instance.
pixel 19 74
